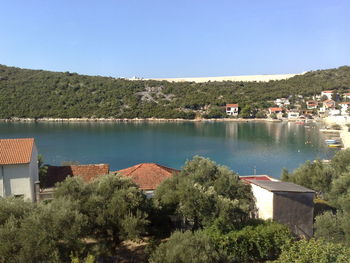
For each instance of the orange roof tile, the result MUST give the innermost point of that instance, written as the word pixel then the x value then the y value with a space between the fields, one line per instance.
pixel 88 172
pixel 232 105
pixel 274 109
pixel 16 151
pixel 148 175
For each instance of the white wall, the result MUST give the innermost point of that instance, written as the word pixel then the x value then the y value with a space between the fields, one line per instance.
pixel 19 179
pixel 264 202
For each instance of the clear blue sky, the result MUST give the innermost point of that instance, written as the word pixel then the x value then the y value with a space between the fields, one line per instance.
pixel 175 38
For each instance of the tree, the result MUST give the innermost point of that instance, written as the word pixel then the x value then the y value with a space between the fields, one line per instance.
pixel 315 175
pixel 205 193
pixel 334 228
pixel 114 206
pixel 187 247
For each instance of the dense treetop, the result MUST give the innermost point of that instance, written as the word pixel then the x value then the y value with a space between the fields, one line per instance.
pixel 38 93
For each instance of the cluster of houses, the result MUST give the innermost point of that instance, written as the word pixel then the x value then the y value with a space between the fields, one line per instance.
pixel 328 103
pixel 284 202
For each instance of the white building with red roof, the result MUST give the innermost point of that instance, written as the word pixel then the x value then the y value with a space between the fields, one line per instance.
pixel 232 109
pixel 327 93
pixel 18 168
pixel 148 176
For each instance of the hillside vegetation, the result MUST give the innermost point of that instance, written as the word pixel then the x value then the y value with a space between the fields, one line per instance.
pixel 38 93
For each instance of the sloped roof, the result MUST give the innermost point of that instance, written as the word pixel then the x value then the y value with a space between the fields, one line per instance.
pixel 232 105
pixel 148 175
pixel 261 177
pixel 274 109
pixel 281 186
pixel 16 151
pixel 88 172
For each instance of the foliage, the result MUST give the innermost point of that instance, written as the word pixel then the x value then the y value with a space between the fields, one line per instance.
pixel 205 193
pixel 252 243
pixel 15 208
pixel 187 247
pixel 315 175
pixel 115 208
pixel 50 233
pixel 333 227
pixel 314 251
pixel 63 94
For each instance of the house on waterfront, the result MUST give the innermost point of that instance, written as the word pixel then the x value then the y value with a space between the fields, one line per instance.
pixel 327 106
pixel 293 114
pixel 346 96
pixel 18 168
pixel 311 104
pixel 284 202
pixel 57 174
pixel 277 111
pixel 327 93
pixel 232 109
pixel 148 176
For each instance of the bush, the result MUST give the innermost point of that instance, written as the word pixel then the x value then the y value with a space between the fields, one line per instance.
pixel 314 251
pixel 252 243
pixel 187 247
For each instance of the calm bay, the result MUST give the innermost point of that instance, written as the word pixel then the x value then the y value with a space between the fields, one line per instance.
pixel 243 146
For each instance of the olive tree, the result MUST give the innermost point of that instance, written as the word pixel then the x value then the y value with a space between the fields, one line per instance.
pixel 205 193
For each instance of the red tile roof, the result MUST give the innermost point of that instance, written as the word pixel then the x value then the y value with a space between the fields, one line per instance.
pixel 327 91
pixel 148 175
pixel 274 109
pixel 256 177
pixel 232 105
pixel 88 172
pixel 16 151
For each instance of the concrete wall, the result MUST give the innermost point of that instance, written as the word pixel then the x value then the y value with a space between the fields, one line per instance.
pixel 263 202
pixel 295 210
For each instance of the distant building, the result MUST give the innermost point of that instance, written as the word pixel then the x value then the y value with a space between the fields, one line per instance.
pixel 277 111
pixel 148 176
pixel 344 107
pixel 232 109
pixel 293 114
pixel 346 96
pixel 282 102
pixel 327 93
pixel 311 104
pixel 286 203
pixel 18 168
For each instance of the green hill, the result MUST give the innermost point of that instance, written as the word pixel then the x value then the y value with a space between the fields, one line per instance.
pixel 38 93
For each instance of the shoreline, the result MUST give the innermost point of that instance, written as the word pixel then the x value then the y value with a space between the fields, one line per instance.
pixel 88 120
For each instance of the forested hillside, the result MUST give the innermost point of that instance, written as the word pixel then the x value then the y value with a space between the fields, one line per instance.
pixel 38 93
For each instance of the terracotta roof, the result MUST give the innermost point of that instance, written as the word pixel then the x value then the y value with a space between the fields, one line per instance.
pixel 274 109
pixel 346 94
pixel 232 105
pixel 327 91
pixel 257 177
pixel 88 172
pixel 16 151
pixel 148 175
pixel 347 102
pixel 312 102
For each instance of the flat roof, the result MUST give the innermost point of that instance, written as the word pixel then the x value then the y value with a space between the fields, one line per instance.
pixel 274 186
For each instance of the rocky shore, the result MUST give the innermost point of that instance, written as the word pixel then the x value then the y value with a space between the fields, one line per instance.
pixel 133 120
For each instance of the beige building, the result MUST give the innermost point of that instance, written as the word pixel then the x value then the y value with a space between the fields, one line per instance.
pixel 18 168
pixel 286 203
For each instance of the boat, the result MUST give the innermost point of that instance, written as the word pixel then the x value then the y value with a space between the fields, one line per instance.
pixel 334 145
pixel 332 141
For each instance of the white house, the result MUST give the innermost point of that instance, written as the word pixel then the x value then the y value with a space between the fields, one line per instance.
pixel 282 102
pixel 327 93
pixel 293 114
pixel 344 107
pixel 311 104
pixel 18 168
pixel 286 203
pixel 232 109
pixel 346 96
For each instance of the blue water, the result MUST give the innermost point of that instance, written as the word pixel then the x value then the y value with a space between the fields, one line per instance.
pixel 241 146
